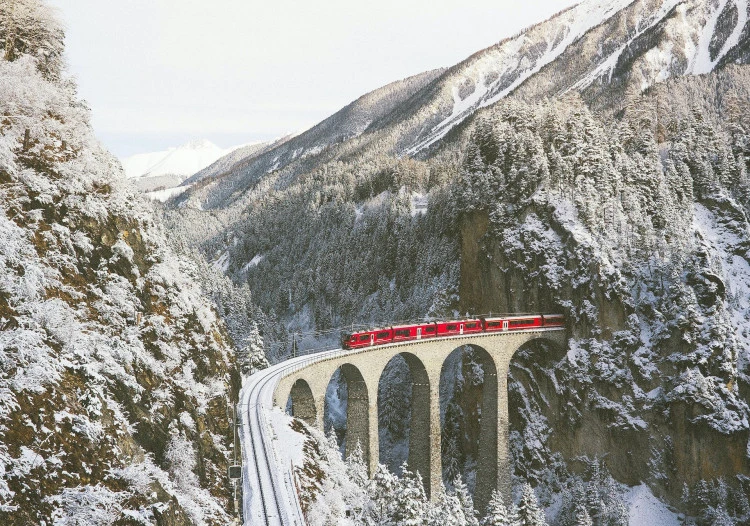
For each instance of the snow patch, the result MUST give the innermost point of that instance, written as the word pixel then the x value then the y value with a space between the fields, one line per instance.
pixel 166 194
pixel 647 509
pixel 253 262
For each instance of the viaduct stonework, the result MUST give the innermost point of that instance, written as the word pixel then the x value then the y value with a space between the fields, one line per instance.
pixel 362 370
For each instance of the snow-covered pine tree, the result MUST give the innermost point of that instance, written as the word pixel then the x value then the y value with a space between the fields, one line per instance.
pixel 381 490
pixel 529 512
pixel 356 468
pixel 582 516
pixel 497 513
pixel 467 503
pixel 252 357
pixel 410 501
pixel 445 511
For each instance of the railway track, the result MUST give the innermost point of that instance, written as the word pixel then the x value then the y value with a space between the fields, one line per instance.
pixel 264 481
pixel 269 495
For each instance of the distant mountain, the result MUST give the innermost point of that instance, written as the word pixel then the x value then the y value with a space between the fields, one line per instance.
pixel 171 167
pixel 599 49
pixel 306 149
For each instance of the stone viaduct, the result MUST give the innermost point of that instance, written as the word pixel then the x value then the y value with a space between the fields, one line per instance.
pixel 362 370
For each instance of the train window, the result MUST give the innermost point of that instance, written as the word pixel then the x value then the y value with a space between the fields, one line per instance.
pixel 471 325
pixel 382 335
pixel 451 327
pixel 516 323
pixel 364 337
pixel 429 329
pixel 493 324
pixel 402 332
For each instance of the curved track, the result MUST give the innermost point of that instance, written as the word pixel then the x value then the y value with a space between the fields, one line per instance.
pixel 269 496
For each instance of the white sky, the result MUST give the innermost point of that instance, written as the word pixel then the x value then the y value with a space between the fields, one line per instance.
pixel 159 72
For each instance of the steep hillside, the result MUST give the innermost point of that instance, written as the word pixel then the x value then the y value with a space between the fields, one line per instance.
pixel 115 373
pixel 639 231
pixel 303 150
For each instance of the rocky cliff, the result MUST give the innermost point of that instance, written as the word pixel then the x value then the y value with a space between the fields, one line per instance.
pixel 115 373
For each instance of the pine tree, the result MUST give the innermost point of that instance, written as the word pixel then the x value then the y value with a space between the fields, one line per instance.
pixel 582 516
pixel 381 490
pixel 497 513
pixel 446 511
pixel 410 501
pixel 529 512
pixel 252 357
pixel 467 504
pixel 620 515
pixel 356 468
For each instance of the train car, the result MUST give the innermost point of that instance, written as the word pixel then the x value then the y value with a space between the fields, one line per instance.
pixel 494 324
pixel 553 320
pixel 514 323
pixel 524 322
pixel 414 332
pixel 453 328
pixel 403 333
pixel 358 340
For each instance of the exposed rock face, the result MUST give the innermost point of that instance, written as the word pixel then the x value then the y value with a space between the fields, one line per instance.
pixel 115 373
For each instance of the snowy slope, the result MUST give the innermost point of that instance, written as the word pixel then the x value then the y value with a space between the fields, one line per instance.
pixel 601 42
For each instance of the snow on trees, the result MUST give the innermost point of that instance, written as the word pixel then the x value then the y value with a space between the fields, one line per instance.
pixel 497 513
pixel 529 512
pixel 29 27
pixel 252 356
pixel 466 502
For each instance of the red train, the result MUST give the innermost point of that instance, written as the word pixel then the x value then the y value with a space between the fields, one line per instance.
pixel 400 333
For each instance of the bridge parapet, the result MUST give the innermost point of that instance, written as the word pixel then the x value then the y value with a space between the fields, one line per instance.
pixel 362 370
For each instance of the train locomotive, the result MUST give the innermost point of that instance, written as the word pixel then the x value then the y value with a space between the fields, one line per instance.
pixel 437 329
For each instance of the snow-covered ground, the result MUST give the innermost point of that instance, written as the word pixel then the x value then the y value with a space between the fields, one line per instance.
pixel 645 509
pixel 168 193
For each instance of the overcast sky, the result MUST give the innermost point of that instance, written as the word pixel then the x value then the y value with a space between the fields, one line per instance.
pixel 157 73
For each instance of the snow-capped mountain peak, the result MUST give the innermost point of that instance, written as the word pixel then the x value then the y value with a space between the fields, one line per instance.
pixel 182 161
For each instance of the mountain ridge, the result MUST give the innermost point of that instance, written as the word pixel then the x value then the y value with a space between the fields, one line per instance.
pixel 598 49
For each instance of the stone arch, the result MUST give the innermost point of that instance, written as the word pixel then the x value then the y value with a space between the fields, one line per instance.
pixel 302 403
pixel 357 410
pixel 487 432
pixel 420 439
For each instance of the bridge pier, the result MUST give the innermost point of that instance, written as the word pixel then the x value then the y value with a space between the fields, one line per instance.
pixel 373 458
pixel 434 482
